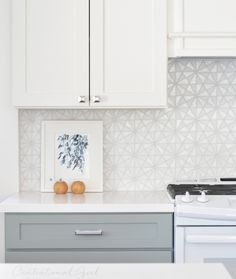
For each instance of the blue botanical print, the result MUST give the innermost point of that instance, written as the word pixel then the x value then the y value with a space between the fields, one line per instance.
pixel 72 151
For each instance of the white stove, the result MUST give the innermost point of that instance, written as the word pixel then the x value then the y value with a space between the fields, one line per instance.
pixel 205 223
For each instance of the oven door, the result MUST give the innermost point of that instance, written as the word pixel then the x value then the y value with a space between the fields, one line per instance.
pixel 213 244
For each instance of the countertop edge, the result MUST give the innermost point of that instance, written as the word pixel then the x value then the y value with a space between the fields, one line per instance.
pixel 119 208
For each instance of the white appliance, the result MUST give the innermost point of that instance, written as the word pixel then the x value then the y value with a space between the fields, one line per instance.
pixel 205 229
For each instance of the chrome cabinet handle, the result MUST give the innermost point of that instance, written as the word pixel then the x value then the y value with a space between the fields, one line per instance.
pixel 96 99
pixel 88 232
pixel 81 99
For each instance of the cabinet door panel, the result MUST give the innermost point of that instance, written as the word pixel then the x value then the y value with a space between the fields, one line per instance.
pixel 50 52
pixel 128 52
pixel 202 27
pixel 118 231
pixel 209 15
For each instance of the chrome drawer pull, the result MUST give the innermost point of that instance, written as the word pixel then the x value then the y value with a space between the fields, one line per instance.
pixel 95 232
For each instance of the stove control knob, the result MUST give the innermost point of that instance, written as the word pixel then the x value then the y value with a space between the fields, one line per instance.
pixel 187 198
pixel 203 197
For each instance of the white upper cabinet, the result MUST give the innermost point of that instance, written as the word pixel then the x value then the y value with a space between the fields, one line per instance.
pixel 202 27
pixel 128 46
pixel 122 64
pixel 50 53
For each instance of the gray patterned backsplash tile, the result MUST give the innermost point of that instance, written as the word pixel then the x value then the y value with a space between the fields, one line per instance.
pixel 146 149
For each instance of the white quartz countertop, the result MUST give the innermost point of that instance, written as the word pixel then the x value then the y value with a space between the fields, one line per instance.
pixel 89 202
pixel 114 271
pixel 2 198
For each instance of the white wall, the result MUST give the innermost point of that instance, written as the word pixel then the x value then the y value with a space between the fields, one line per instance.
pixel 8 117
pixel 8 114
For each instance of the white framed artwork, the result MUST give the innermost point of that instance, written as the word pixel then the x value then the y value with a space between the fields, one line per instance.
pixel 72 151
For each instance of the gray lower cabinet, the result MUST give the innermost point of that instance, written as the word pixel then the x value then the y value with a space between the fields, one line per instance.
pixel 89 238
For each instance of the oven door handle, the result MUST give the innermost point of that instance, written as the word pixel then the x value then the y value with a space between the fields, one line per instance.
pixel 205 215
pixel 211 239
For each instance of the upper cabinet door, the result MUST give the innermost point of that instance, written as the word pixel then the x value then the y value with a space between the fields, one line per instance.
pixel 50 53
pixel 128 53
pixel 202 27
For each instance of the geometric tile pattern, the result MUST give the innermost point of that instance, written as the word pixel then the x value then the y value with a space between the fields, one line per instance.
pixel 146 149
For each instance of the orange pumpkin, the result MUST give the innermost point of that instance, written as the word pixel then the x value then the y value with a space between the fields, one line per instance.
pixel 60 187
pixel 78 187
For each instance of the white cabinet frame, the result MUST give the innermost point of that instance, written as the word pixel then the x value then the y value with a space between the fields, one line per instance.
pixel 90 46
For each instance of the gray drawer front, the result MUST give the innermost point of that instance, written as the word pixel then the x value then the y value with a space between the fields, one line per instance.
pixel 90 257
pixel 57 231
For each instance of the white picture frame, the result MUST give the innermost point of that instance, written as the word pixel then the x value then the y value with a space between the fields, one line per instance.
pixel 72 151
